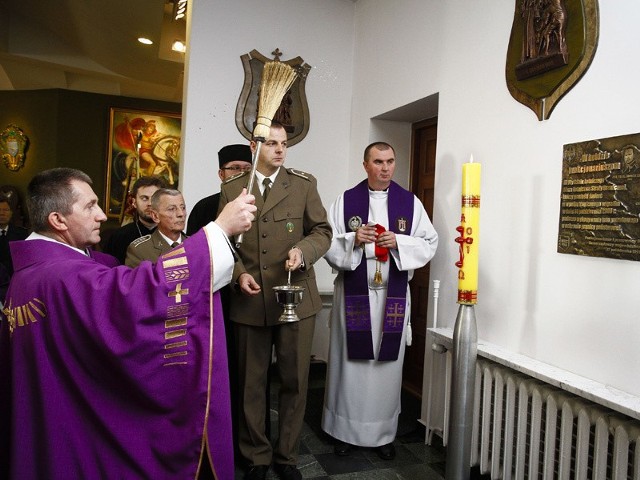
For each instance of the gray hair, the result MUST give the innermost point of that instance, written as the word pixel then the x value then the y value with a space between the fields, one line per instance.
pixel 155 198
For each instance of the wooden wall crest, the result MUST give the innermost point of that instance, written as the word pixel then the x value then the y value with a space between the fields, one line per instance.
pixel 551 46
pixel 294 109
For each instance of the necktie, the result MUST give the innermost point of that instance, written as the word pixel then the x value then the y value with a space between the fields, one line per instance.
pixel 267 187
pixel 3 233
pixel 174 244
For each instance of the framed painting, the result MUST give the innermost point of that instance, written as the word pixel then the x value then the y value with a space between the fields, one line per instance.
pixel 141 143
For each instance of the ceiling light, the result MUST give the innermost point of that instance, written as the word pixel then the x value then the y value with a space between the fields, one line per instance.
pixel 179 46
pixel 180 9
pixel 144 40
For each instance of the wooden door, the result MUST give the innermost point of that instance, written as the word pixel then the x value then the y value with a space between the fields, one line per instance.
pixel 423 168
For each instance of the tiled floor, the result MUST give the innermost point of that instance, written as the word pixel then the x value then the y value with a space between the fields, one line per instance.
pixel 414 459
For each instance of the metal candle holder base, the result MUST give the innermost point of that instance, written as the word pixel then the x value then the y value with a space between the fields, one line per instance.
pixel 465 353
pixel 289 297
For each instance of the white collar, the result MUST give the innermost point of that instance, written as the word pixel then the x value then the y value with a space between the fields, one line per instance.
pixel 168 240
pixel 38 236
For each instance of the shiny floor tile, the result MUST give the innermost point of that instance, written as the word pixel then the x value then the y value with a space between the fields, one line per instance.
pixel 414 459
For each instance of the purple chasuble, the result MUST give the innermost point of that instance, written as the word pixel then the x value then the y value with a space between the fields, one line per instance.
pixel 104 258
pixel 114 372
pixel 356 288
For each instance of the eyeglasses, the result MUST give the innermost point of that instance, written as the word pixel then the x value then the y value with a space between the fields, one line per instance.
pixel 237 169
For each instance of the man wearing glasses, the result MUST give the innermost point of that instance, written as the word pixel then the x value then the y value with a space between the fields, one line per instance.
pixel 233 159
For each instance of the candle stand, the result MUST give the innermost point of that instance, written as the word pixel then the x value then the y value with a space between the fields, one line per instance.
pixel 465 333
pixel 465 352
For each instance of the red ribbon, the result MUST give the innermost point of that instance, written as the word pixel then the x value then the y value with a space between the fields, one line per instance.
pixel 382 253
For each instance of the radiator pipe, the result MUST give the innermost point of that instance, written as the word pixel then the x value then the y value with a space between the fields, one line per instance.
pixel 465 352
pixel 436 295
pixel 436 347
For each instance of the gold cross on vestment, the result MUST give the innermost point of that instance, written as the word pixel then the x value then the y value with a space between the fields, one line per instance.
pixel 394 315
pixel 178 292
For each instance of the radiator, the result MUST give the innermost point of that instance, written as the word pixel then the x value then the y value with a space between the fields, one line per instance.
pixel 527 429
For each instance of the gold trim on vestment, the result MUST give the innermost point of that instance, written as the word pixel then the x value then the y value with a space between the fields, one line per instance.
pixel 175 262
pixel 174 253
pixel 175 334
pixel 176 354
pixel 204 445
pixel 23 315
pixel 19 316
pixel 43 311
pixel 176 268
pixel 177 322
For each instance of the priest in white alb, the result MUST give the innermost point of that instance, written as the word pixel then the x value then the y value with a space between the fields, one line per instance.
pixel 381 234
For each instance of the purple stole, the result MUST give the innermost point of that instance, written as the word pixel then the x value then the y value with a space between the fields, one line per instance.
pixel 356 288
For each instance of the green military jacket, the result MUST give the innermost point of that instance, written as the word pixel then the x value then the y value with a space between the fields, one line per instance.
pixel 149 247
pixel 292 216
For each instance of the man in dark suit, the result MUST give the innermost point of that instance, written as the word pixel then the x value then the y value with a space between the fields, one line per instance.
pixel 169 213
pixel 290 233
pixel 232 160
pixel 8 233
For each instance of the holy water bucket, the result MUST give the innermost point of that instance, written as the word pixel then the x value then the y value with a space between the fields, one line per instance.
pixel 289 297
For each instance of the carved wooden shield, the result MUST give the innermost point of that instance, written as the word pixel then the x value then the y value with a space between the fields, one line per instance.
pixel 294 110
pixel 551 46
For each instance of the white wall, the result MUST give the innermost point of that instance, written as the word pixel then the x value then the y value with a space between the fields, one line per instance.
pixel 578 313
pixel 319 32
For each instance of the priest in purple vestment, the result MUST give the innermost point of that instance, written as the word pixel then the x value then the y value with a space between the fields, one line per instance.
pixel 107 371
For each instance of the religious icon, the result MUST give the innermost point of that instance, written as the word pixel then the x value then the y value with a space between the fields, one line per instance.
pixel 140 144
pixel 551 46
pixel 13 147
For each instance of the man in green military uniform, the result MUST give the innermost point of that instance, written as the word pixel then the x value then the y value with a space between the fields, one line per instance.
pixel 291 232
pixel 169 213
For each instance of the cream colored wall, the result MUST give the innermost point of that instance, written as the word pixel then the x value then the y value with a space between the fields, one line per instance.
pixel 374 56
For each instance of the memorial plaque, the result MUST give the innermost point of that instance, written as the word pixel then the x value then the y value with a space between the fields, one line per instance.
pixel 600 199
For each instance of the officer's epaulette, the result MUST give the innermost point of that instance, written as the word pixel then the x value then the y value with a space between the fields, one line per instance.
pixel 298 173
pixel 138 241
pixel 237 175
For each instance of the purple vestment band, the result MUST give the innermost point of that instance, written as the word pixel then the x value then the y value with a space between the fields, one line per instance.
pixel 357 306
